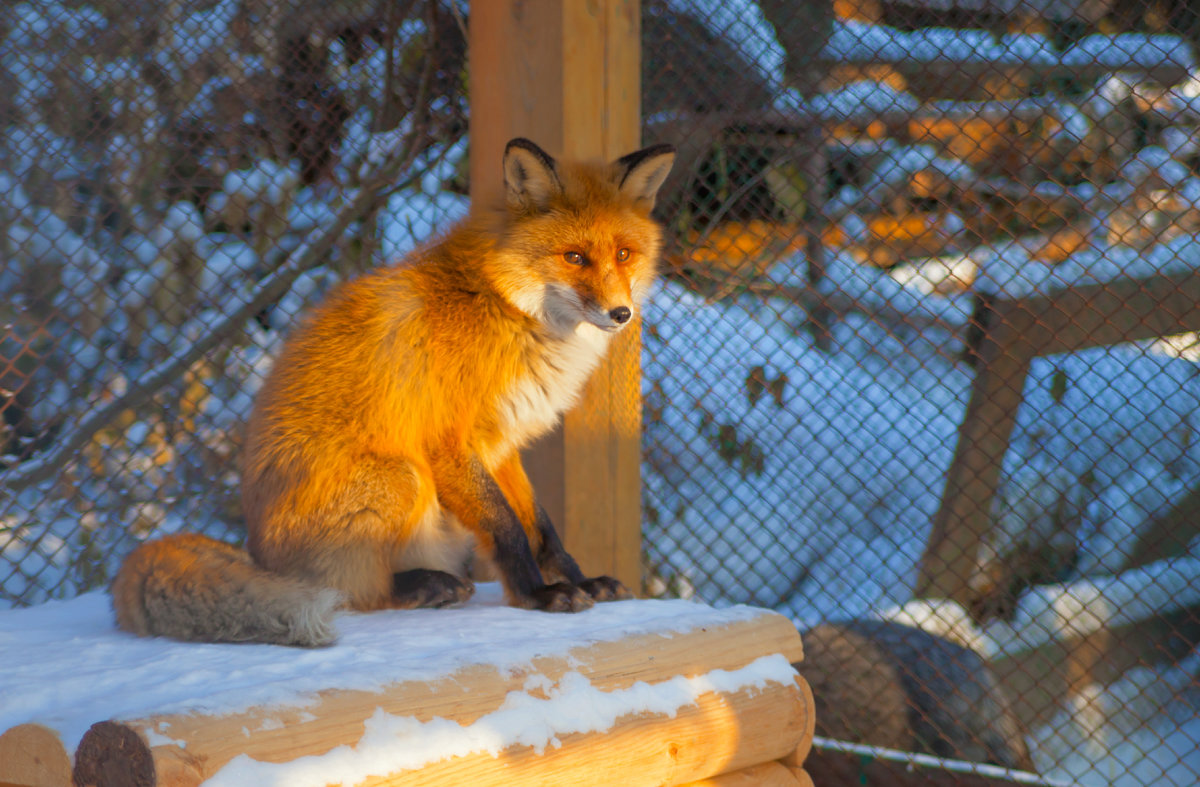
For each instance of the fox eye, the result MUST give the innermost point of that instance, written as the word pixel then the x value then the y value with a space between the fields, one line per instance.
pixel 622 255
pixel 574 257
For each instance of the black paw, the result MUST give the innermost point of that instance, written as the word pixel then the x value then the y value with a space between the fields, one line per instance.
pixel 559 597
pixel 605 589
pixel 424 587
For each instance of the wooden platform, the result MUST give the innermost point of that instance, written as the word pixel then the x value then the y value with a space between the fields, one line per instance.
pixel 639 692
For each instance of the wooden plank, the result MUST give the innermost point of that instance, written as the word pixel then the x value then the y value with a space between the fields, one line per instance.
pixel 948 70
pixel 962 520
pixel 723 731
pixel 33 756
pixel 567 76
pixel 1095 315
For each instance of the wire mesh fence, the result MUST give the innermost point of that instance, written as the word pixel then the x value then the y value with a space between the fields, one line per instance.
pixel 921 373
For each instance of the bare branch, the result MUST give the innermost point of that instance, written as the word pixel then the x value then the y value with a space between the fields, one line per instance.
pixel 371 195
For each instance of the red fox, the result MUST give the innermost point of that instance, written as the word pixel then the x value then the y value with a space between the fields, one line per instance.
pixel 384 444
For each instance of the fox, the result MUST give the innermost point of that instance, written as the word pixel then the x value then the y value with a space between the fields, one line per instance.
pixel 383 448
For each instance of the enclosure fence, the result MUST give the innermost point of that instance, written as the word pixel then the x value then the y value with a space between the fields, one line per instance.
pixel 921 373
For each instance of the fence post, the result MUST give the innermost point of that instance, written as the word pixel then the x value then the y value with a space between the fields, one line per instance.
pixel 566 74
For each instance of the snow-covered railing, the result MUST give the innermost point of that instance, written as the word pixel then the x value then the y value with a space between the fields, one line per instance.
pixel 973 54
pixel 639 692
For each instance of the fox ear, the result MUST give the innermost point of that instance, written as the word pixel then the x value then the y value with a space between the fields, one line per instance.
pixel 643 172
pixel 530 175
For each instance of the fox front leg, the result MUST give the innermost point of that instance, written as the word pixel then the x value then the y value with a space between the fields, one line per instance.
pixel 470 493
pixel 557 563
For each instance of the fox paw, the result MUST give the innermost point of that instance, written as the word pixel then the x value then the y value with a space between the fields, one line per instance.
pixel 605 588
pixel 423 587
pixel 560 597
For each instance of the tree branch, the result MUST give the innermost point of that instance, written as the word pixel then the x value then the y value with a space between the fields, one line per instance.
pixel 371 194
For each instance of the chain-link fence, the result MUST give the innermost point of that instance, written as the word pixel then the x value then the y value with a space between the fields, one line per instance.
pixel 925 335
pixel 920 374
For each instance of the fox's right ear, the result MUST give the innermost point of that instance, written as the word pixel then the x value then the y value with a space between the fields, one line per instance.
pixel 530 175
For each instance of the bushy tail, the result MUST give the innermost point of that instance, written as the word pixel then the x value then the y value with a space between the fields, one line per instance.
pixel 192 587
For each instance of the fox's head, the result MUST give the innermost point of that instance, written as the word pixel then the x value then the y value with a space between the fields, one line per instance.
pixel 580 246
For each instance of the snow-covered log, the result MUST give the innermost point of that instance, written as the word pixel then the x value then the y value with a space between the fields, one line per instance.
pixel 33 756
pixel 638 692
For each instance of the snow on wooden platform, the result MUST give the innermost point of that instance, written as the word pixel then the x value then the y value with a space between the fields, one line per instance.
pixel 656 692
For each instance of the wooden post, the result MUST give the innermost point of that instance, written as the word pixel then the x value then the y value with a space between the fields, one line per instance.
pixel 565 73
pixel 952 553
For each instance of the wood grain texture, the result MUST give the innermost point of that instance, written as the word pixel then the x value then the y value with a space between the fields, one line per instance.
pixel 767 774
pixel 721 732
pixel 33 756
pixel 567 76
pixel 797 756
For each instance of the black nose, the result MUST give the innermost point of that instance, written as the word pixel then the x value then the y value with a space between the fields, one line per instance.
pixel 620 315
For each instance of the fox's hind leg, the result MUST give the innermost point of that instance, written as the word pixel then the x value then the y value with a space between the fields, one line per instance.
pixel 366 541
pixel 428 587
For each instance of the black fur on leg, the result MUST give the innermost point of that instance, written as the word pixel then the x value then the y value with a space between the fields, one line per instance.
pixel 424 587
pixel 557 564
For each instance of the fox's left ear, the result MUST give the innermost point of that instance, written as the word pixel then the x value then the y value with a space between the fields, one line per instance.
pixel 643 172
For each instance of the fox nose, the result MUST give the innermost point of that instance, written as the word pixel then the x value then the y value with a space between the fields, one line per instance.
pixel 620 315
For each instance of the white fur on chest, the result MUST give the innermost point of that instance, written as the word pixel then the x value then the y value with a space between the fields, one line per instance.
pixel 554 375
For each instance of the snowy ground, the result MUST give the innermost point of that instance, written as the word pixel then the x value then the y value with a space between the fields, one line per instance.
pixel 821 506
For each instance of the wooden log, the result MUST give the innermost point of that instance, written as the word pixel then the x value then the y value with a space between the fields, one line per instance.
pixel 767 774
pixel 718 731
pixel 795 758
pixel 33 756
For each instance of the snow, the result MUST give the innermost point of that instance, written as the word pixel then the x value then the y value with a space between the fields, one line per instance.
pixel 1141 729
pixel 859 42
pixel 538 718
pixel 1009 269
pixel 102 673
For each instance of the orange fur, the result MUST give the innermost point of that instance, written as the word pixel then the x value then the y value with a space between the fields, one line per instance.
pixel 387 434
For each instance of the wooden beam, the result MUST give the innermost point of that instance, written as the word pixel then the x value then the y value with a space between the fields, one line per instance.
pixel 952 552
pixel 722 731
pixel 565 73
pixel 1096 315
pixel 1013 332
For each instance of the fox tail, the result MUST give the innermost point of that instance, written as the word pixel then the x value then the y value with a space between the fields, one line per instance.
pixel 192 587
